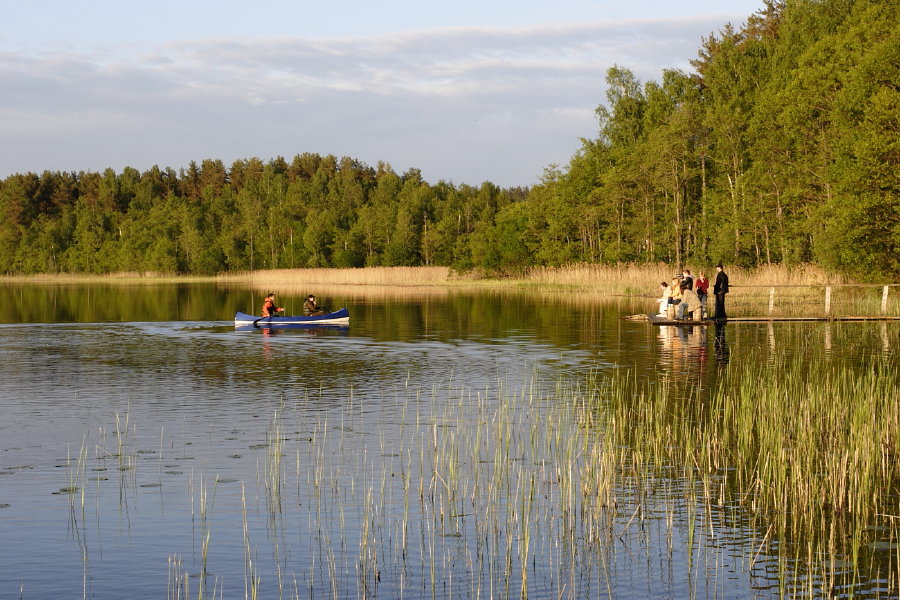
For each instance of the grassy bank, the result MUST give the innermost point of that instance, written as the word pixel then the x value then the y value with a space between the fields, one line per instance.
pixel 125 278
pixel 626 279
pixel 798 291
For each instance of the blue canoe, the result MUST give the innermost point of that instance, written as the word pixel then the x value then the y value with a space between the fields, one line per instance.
pixel 338 317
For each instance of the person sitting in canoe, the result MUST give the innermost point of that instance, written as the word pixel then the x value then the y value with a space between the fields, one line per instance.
pixel 311 309
pixel 269 308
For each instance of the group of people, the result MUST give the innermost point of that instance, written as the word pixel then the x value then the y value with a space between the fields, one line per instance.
pixel 688 295
pixel 310 307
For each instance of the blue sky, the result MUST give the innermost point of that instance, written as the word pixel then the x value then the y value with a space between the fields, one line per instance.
pixel 465 91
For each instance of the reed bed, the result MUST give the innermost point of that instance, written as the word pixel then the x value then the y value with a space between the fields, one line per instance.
pixel 641 277
pixel 799 290
pixel 784 479
pixel 120 278
pixel 560 475
pixel 806 453
pixel 374 276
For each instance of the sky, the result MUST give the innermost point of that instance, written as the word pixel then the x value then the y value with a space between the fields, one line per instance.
pixel 464 91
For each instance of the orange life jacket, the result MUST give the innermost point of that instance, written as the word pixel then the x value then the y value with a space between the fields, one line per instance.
pixel 269 308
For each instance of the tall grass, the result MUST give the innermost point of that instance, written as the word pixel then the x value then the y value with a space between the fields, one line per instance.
pixel 787 471
pixel 371 276
pixel 809 454
pixel 799 290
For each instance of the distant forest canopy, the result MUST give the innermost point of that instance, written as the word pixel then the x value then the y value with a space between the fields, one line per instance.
pixel 782 147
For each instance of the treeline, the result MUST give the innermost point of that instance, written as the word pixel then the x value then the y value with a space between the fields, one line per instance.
pixel 781 147
pixel 312 212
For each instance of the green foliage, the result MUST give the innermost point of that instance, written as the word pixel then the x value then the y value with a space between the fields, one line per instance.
pixel 782 147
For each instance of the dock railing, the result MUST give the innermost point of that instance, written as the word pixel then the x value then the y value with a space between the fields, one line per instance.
pixel 885 309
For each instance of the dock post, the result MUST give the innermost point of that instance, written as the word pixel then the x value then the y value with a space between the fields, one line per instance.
pixel 771 300
pixel 827 300
pixel 884 295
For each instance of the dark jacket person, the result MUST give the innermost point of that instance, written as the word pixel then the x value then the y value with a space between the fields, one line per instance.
pixel 720 288
pixel 311 308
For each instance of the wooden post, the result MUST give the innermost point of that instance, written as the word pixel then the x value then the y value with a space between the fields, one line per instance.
pixel 771 300
pixel 827 300
pixel 884 295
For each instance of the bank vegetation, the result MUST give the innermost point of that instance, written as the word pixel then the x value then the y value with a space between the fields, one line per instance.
pixel 780 147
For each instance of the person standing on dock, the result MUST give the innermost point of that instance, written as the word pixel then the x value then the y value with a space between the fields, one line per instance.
pixel 720 288
pixel 701 285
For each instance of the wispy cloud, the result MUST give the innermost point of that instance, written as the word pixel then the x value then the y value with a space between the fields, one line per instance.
pixel 463 104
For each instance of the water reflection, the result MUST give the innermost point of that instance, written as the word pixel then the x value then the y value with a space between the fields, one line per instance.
pixel 722 351
pixel 684 346
pixel 164 421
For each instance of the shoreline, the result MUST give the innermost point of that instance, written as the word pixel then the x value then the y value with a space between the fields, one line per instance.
pixel 629 278
pixel 791 292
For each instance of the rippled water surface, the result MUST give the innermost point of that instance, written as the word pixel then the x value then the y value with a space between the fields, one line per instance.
pixel 148 449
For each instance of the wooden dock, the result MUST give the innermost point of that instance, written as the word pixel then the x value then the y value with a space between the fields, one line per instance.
pixel 826 316
pixel 658 320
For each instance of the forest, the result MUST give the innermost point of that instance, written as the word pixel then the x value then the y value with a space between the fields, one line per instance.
pixel 782 146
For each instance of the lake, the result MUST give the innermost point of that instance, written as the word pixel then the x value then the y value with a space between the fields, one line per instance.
pixel 455 444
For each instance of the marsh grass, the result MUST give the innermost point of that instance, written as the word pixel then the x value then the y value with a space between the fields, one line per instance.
pixel 375 277
pixel 808 453
pixel 784 477
pixel 485 485
pixel 620 279
pixel 799 290
pixel 125 278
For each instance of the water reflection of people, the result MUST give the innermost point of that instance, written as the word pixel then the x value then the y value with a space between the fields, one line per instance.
pixel 267 346
pixel 721 343
pixel 311 308
pixel 683 343
pixel 269 308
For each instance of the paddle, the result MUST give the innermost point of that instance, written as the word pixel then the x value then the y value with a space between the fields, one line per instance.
pixel 269 318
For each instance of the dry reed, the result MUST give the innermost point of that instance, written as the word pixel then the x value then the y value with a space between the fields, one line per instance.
pixel 799 291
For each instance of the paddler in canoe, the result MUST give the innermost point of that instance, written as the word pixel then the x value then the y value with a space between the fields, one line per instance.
pixel 311 308
pixel 269 307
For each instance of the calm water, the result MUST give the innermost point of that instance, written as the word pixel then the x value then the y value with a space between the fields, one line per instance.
pixel 145 442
